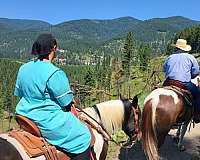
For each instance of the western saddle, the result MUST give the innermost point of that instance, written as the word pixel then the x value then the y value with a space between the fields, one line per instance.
pixel 29 136
pixel 34 144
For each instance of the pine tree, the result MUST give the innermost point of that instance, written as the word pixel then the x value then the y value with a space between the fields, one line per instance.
pixel 89 78
pixel 89 84
pixel 144 54
pixel 128 55
pixel 117 74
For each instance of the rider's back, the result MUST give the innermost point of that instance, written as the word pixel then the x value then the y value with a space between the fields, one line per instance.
pixel 44 90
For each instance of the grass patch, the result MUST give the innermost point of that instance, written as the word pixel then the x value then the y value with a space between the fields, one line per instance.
pixel 5 126
pixel 114 149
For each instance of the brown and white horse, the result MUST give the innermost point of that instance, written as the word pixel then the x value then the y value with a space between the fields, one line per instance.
pixel 113 115
pixel 162 109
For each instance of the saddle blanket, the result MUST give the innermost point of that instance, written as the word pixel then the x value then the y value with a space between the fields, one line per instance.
pixel 20 148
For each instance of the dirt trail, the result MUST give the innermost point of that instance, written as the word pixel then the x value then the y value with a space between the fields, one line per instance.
pixel 169 150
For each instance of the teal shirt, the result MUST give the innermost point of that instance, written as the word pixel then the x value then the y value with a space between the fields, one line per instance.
pixel 45 91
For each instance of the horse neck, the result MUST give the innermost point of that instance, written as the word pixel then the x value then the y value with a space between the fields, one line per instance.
pixel 112 115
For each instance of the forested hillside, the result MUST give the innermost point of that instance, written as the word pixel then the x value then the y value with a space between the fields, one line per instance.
pixel 80 37
pixel 108 77
pixel 119 66
pixel 11 25
pixel 134 70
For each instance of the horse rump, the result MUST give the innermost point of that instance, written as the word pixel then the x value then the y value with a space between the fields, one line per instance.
pixel 8 151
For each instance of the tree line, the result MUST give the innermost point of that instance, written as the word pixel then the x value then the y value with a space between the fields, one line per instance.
pixel 128 72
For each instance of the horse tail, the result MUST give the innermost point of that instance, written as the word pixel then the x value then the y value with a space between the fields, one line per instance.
pixel 149 138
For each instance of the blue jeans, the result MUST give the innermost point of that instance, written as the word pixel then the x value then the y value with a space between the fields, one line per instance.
pixel 195 93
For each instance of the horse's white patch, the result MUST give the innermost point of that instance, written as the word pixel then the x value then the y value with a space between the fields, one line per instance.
pixel 112 115
pixel 196 80
pixel 98 147
pixel 154 98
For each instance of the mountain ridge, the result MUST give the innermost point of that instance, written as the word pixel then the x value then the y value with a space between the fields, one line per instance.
pixel 81 35
pixel 11 25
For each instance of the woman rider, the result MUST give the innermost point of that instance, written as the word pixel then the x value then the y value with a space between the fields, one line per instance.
pixel 46 95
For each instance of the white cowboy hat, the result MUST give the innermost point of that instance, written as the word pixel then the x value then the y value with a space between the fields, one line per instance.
pixel 182 44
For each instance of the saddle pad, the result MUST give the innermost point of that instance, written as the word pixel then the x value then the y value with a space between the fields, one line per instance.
pixel 20 148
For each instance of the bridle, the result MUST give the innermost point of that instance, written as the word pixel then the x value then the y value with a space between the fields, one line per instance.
pixel 137 132
pixel 107 137
pixel 130 142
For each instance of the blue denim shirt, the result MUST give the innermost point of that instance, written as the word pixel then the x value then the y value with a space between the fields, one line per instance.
pixel 180 66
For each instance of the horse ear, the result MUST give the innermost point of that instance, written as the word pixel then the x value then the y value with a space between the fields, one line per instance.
pixel 121 97
pixel 135 101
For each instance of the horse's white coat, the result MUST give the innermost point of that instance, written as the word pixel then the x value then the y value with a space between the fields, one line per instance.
pixel 98 146
pixel 154 96
pixel 195 80
pixel 112 116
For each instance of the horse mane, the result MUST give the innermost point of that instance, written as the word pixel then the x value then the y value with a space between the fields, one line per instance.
pixel 111 114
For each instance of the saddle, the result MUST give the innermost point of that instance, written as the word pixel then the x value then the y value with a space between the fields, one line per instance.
pixel 34 144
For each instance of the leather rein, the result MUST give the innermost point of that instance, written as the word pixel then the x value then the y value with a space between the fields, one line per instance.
pixel 107 137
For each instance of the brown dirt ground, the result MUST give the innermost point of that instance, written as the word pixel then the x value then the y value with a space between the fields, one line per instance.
pixel 169 150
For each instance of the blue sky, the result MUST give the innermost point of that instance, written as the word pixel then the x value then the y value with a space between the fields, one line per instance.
pixel 64 10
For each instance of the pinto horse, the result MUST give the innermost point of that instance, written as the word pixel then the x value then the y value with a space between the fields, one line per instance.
pixel 113 115
pixel 163 108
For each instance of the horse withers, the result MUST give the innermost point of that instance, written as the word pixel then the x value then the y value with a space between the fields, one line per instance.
pixel 163 108
pixel 112 115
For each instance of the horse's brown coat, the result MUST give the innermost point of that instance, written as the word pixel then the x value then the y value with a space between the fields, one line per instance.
pixel 158 120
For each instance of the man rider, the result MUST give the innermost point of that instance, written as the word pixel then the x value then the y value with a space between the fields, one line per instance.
pixel 183 67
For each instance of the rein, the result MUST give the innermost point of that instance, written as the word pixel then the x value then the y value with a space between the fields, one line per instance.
pixel 137 135
pixel 100 128
pixel 133 139
pixel 131 142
